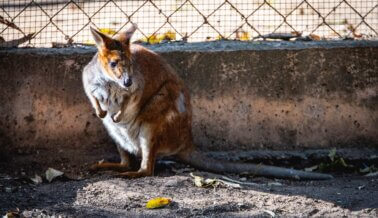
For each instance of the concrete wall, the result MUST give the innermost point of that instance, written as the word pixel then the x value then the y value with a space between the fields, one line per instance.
pixel 245 96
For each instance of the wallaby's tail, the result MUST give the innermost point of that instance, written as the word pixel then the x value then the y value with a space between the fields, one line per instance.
pixel 200 161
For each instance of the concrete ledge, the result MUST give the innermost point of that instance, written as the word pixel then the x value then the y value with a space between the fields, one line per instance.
pixel 275 95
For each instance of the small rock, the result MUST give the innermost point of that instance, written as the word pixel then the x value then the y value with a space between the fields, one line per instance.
pixel 27 213
pixel 8 189
pixel 243 179
pixel 274 184
pixel 171 183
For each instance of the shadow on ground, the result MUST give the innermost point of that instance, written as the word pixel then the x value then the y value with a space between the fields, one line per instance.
pixel 102 195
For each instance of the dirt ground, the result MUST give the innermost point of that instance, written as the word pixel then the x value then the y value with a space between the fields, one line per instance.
pixel 104 195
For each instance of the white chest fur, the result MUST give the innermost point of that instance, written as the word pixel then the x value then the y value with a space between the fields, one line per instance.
pixel 123 136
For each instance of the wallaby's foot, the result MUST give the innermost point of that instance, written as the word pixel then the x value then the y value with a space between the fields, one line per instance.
pixel 117 117
pixel 120 167
pixel 101 114
pixel 136 174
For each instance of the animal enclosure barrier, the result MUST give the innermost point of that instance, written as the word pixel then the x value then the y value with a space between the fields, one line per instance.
pixel 46 23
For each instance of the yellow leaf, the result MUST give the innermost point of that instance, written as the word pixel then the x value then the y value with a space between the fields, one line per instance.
pixel 245 36
pixel 89 42
pixel 157 203
pixel 153 39
pixel 144 39
pixel 107 31
pixel 170 35
pixel 219 37
pixel 160 37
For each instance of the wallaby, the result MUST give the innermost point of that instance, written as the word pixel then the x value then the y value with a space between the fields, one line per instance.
pixel 149 112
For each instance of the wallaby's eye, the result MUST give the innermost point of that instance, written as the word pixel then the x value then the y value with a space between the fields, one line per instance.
pixel 113 64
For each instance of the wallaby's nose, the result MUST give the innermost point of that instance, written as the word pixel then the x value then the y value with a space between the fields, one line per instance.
pixel 127 82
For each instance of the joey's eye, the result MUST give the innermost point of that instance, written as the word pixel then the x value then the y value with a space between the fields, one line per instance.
pixel 113 64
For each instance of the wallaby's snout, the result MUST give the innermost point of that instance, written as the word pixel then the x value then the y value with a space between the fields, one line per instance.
pixel 127 82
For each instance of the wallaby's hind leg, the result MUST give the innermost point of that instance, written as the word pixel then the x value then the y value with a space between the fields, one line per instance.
pixel 147 165
pixel 118 116
pixel 124 165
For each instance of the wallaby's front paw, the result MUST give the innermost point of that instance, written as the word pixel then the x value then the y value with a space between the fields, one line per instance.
pixel 101 114
pixel 102 96
pixel 117 117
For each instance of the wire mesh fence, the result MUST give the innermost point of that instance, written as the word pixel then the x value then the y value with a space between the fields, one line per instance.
pixel 45 23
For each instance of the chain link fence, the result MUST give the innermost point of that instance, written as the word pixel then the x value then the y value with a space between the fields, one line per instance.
pixel 46 23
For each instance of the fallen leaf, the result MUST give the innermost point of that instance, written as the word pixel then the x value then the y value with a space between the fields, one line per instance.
pixel 220 37
pixel 158 202
pixel 271 213
pixel 169 35
pixel 342 162
pixel 296 33
pixel 37 179
pixel 314 37
pixel 214 180
pixel 153 39
pixel 204 183
pixel 365 170
pixel 310 169
pixel 369 169
pixel 336 165
pixel 242 35
pixel 12 214
pixel 274 184
pixel 89 42
pixel 354 31
pixel 52 174
pixel 171 183
pixel 332 154
pixel 372 174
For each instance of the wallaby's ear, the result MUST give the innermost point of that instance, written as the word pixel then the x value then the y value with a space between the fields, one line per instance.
pixel 125 36
pixel 101 39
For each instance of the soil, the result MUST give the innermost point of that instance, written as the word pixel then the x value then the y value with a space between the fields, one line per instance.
pixel 104 195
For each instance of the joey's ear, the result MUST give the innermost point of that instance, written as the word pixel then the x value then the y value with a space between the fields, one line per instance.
pixel 101 39
pixel 125 36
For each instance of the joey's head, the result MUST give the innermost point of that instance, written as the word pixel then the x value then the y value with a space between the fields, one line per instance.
pixel 115 57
